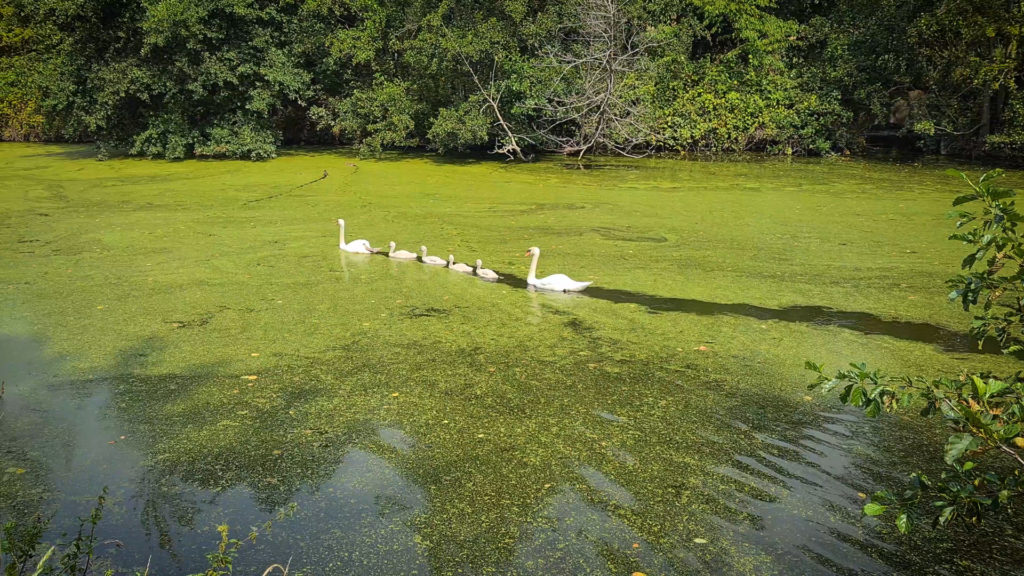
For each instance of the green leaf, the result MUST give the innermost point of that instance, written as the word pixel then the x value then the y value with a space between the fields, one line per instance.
pixel 964 199
pixel 903 523
pixel 844 396
pixel 874 509
pixel 995 387
pixel 979 385
pixel 946 515
pixel 857 396
pixel 990 175
pixel 958 444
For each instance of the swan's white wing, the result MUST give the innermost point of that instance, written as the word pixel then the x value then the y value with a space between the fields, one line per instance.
pixel 578 287
pixel 357 247
pixel 557 278
pixel 560 283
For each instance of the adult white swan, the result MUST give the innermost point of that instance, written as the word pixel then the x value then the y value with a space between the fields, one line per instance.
pixel 356 246
pixel 484 273
pixel 458 266
pixel 432 260
pixel 553 283
pixel 399 254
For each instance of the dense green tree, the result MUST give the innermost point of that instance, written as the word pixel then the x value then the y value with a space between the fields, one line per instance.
pixel 237 78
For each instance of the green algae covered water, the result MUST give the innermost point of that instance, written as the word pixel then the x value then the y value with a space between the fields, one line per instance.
pixel 188 335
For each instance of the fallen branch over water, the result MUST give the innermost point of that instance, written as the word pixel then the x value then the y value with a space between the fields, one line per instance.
pixel 272 196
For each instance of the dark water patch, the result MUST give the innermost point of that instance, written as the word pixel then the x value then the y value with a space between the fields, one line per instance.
pixel 802 502
pixel 543 207
pixel 627 235
pixel 173 478
pixel 602 166
pixel 863 322
pixel 197 322
pixel 428 312
pixel 794 493
pixel 74 152
pixel 570 535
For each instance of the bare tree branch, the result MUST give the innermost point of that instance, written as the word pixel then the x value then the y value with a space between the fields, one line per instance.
pixel 591 105
pixel 510 147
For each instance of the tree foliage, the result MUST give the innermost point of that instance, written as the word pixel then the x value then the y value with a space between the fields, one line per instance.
pixel 984 452
pixel 238 78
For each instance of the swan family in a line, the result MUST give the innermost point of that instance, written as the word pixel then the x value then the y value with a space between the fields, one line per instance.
pixel 553 283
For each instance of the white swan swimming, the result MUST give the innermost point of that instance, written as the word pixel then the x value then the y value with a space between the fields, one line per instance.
pixel 360 246
pixel 553 283
pixel 399 254
pixel 432 260
pixel 458 266
pixel 484 273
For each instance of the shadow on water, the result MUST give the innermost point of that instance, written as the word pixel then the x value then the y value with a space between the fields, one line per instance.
pixel 863 322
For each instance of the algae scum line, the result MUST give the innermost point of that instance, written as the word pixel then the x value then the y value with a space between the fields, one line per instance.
pixel 212 359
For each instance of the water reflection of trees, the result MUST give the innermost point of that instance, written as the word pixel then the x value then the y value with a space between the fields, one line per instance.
pixel 571 452
pixel 166 506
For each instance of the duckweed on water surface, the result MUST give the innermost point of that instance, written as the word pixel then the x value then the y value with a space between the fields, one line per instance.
pixel 427 422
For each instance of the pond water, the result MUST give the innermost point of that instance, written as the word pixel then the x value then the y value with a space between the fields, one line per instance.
pixel 188 335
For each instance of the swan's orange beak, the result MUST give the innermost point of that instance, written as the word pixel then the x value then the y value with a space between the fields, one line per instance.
pixel 527 253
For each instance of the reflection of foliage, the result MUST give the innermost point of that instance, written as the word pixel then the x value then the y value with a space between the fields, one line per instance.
pixel 274 436
pixel 985 453
pixel 164 501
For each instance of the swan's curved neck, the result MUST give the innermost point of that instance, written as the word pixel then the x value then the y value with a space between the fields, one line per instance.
pixel 391 249
pixel 533 268
pixel 342 238
pixel 424 252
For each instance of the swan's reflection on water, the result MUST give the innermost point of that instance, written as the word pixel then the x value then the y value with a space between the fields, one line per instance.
pixel 352 259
